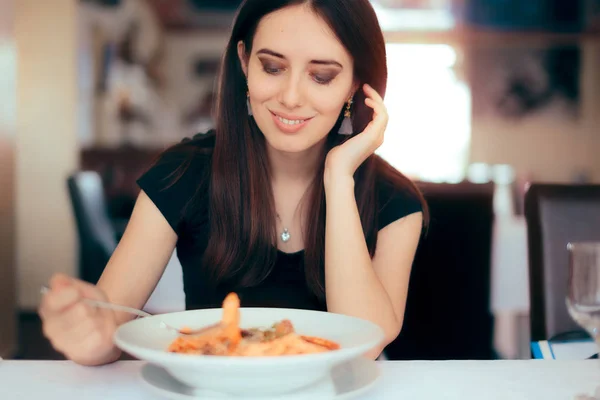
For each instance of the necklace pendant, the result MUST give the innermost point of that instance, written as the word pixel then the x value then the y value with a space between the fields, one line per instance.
pixel 285 235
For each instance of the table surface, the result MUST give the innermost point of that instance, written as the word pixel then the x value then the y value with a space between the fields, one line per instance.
pixel 464 380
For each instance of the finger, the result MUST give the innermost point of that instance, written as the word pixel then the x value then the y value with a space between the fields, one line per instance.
pixel 59 333
pixel 379 114
pixel 58 300
pixel 370 92
pixel 374 105
pixel 59 281
pixel 73 322
pixel 88 290
pixel 79 314
pixel 68 341
pixel 58 326
pixel 379 109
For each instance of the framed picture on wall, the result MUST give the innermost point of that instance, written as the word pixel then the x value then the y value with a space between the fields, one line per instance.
pixel 517 81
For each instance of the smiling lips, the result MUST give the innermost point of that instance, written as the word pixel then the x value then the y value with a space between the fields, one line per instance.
pixel 289 124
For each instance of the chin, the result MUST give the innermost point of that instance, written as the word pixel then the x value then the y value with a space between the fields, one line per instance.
pixel 289 144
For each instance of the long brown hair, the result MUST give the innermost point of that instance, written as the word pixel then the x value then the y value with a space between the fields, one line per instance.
pixel 242 246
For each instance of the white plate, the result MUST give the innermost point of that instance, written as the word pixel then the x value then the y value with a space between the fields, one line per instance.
pixel 346 381
pixel 145 339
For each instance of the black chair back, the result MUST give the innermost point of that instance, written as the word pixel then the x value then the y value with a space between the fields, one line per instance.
pixel 448 307
pixel 97 237
pixel 556 215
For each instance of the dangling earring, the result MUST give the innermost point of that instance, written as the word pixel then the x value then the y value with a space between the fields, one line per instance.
pixel 248 103
pixel 346 128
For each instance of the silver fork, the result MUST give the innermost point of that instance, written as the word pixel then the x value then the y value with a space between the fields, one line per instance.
pixel 140 313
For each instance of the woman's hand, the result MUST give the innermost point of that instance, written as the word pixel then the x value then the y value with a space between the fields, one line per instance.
pixel 343 160
pixel 81 332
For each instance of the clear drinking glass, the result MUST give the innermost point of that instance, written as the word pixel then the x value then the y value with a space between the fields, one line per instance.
pixel 583 298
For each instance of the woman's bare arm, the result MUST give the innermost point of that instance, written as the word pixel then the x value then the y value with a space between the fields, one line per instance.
pixel 140 259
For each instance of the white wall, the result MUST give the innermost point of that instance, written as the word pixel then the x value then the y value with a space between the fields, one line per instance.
pixel 46 142
pixel 548 147
pixel 182 50
pixel 184 89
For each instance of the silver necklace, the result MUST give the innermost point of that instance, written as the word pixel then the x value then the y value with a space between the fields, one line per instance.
pixel 285 235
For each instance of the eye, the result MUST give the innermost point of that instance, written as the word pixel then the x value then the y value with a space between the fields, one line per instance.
pixel 323 79
pixel 272 69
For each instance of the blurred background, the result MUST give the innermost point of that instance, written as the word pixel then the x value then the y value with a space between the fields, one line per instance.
pixel 486 97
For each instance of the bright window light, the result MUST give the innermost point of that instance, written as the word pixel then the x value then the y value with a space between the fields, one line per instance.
pixel 429 130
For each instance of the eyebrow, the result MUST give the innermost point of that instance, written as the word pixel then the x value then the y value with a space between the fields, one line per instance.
pixel 319 62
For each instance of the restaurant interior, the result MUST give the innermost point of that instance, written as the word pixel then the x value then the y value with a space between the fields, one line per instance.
pixel 494 114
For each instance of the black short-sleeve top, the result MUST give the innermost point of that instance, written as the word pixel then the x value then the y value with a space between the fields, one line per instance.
pixel 286 285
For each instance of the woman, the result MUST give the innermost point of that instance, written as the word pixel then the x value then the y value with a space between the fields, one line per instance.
pixel 285 202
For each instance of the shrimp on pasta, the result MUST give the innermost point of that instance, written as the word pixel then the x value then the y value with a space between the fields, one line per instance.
pixel 228 339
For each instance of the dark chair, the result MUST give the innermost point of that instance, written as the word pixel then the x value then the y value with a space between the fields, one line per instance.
pixel 97 237
pixel 556 215
pixel 448 307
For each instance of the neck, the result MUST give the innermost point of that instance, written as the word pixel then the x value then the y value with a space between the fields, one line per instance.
pixel 291 176
pixel 294 168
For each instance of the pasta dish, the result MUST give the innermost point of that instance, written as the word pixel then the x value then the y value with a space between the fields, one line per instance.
pixel 228 339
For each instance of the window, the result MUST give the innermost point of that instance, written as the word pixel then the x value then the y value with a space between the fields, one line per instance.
pixel 429 129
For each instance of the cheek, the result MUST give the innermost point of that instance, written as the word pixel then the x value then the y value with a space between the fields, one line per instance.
pixel 328 109
pixel 328 105
pixel 261 94
pixel 263 88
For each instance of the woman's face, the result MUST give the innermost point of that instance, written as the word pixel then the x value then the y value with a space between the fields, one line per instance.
pixel 299 78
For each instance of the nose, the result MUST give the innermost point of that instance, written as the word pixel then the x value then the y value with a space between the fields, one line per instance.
pixel 291 93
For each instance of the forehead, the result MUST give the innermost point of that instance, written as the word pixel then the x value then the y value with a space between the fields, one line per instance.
pixel 297 32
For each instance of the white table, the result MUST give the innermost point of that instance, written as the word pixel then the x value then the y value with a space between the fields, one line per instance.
pixel 460 380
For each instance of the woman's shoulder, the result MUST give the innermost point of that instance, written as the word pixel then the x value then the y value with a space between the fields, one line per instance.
pixel 198 147
pixel 187 156
pixel 178 173
pixel 204 142
pixel 397 195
